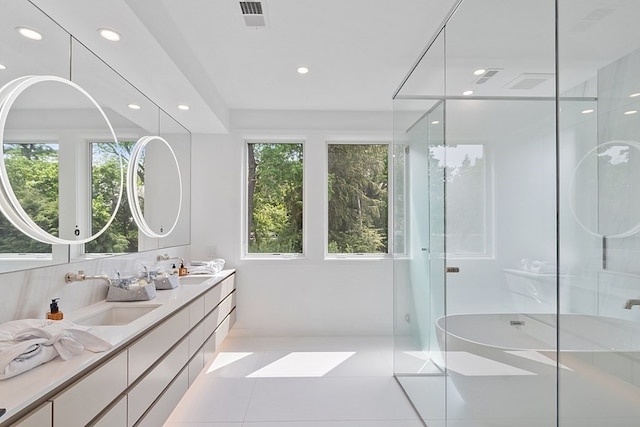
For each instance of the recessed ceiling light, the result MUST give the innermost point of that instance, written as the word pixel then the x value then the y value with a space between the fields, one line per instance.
pixel 29 33
pixel 628 113
pixel 2 67
pixel 587 111
pixel 108 34
pixel 479 71
pixel 183 107
pixel 633 95
pixel 435 122
pixel 303 70
pixel 134 106
pixel 467 92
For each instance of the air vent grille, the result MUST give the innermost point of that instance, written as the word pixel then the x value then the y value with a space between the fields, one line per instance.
pixel 254 14
pixel 487 75
pixel 251 7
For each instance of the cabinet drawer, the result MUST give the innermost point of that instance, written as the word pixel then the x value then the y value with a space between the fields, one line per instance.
pixel 219 292
pixel 147 390
pixel 41 417
pixel 196 339
pixel 212 321
pixel 196 312
pixel 80 403
pixel 152 346
pixel 196 365
pixel 117 415
pixel 169 400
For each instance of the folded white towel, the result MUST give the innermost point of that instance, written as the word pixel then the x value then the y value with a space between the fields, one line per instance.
pixel 27 343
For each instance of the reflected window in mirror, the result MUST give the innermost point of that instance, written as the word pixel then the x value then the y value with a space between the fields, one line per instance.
pixel 122 235
pixel 32 168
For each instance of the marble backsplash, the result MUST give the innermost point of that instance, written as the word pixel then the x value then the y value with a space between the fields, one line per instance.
pixel 27 294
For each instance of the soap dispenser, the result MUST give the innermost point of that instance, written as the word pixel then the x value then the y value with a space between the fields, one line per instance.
pixel 183 270
pixel 55 313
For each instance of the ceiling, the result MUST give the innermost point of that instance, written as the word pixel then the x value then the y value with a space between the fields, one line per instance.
pixel 201 52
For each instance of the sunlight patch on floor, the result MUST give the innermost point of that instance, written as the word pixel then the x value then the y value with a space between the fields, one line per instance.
pixel 303 364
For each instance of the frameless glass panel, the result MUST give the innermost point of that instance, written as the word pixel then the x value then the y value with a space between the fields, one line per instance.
pixel 599 69
pixel 418 198
pixel 500 328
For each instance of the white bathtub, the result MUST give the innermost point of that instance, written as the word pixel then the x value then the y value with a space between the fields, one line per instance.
pixel 505 368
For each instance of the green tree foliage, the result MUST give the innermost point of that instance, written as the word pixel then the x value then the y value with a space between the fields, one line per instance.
pixel 122 234
pixel 275 197
pixel 33 174
pixel 358 202
pixel 33 171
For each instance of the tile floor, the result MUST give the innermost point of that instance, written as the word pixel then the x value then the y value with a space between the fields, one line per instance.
pixel 297 382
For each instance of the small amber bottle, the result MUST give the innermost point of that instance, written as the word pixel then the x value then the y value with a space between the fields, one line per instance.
pixel 55 313
pixel 183 270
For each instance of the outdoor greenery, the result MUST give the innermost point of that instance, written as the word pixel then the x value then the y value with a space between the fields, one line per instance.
pixel 358 202
pixel 275 197
pixel 33 171
pixel 33 174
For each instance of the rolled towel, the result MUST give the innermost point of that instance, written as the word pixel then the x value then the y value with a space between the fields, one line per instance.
pixel 27 343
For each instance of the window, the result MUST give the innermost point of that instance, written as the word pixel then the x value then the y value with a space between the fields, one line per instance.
pixel 274 197
pixel 357 220
pixel 32 169
pixel 122 234
pixel 468 199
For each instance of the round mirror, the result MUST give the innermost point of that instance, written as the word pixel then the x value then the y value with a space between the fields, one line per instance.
pixel 29 166
pixel 154 186
pixel 604 199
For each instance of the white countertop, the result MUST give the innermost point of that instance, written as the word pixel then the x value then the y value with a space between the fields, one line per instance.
pixel 36 385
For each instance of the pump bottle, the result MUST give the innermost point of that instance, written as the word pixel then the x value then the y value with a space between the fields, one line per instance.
pixel 55 313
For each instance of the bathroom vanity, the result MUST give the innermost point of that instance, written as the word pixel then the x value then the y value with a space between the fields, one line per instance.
pixel 159 348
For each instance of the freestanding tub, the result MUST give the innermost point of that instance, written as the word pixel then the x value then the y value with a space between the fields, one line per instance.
pixel 508 371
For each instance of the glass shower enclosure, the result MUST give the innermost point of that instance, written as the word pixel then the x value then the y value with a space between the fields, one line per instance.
pixel 516 207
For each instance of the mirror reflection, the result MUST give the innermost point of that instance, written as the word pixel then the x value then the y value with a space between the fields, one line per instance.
pixel 62 157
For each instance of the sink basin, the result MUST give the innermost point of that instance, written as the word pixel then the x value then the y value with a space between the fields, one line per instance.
pixel 117 315
pixel 195 279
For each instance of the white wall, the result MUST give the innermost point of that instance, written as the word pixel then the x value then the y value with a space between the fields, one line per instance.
pixel 310 296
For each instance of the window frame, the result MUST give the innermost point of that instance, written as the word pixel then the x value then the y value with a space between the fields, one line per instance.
pixel 359 255
pixel 256 139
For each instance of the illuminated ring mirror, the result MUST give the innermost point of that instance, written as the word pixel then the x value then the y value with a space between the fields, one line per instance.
pixel 9 203
pixel 606 177
pixel 134 186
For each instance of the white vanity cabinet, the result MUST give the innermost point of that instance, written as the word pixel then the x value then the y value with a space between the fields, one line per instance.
pixel 142 381
pixel 41 417
pixel 81 402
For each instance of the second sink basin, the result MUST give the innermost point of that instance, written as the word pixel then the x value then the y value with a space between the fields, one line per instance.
pixel 117 315
pixel 196 279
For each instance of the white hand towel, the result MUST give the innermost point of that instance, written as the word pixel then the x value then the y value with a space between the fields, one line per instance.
pixel 27 343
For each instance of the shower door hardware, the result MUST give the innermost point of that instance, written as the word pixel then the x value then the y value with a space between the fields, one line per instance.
pixel 453 269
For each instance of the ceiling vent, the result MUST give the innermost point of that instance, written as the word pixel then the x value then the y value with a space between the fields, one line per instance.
pixel 483 78
pixel 591 19
pixel 253 14
pixel 528 81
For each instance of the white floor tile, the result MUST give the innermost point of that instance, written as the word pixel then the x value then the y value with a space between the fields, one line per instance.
pixel 214 399
pixel 318 399
pixel 337 423
pixel 206 424
pixel 278 364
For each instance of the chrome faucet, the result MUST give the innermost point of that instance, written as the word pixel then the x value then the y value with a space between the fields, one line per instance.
pixel 631 302
pixel 80 277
